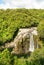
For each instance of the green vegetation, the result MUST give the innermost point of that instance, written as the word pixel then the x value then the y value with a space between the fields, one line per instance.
pixel 5 57
pixel 10 22
pixel 41 29
pixel 36 58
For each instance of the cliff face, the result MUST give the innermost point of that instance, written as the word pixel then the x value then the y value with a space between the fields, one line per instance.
pixel 25 41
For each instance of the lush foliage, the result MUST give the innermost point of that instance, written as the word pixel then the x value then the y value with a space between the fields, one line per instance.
pixel 37 57
pixel 5 57
pixel 11 20
pixel 41 29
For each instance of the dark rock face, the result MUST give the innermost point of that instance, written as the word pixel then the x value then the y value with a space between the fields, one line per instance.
pixel 21 43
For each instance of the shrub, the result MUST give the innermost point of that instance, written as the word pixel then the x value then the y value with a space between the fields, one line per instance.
pixel 41 29
pixel 5 57
pixel 20 61
pixel 37 57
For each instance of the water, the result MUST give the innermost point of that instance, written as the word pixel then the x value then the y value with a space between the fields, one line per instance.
pixel 31 47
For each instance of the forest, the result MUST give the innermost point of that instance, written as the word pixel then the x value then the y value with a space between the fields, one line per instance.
pixel 11 20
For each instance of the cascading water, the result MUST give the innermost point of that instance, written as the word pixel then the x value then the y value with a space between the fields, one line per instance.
pixel 31 47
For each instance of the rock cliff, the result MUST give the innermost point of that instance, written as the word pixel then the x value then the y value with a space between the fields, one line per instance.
pixel 25 41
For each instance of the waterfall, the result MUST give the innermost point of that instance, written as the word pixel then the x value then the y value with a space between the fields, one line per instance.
pixel 31 45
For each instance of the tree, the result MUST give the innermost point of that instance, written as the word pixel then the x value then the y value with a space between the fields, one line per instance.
pixel 41 29
pixel 5 57
pixel 37 57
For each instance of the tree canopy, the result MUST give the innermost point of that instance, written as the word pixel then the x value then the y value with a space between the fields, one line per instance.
pixel 13 19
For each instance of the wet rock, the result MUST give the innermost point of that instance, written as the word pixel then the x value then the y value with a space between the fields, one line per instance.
pixel 21 44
